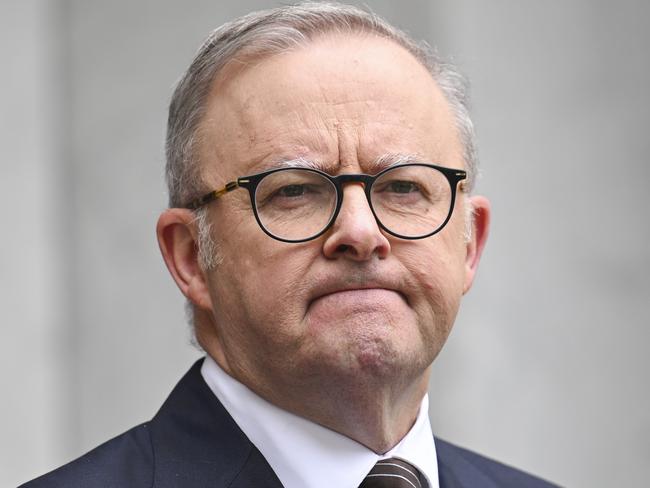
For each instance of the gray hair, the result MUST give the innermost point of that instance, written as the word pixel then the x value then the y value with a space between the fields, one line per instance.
pixel 278 30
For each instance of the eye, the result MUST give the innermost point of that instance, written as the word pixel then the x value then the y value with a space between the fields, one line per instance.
pixel 401 186
pixel 292 195
pixel 291 191
pixel 293 188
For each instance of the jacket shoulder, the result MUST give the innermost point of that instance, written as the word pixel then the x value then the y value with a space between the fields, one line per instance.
pixel 125 461
pixel 459 467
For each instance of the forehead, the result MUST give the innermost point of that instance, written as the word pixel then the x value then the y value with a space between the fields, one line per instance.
pixel 341 102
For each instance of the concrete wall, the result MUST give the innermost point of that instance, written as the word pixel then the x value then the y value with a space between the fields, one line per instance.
pixel 546 366
pixel 33 260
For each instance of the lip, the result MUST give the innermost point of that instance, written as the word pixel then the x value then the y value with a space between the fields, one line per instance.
pixel 331 288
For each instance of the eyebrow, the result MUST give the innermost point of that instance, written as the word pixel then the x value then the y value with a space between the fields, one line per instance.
pixel 374 166
pixel 393 159
pixel 288 163
pixel 298 163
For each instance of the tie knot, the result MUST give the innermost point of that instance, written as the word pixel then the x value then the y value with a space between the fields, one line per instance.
pixel 393 473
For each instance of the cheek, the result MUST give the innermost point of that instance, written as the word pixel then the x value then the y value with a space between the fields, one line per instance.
pixel 256 315
pixel 438 283
pixel 438 267
pixel 263 279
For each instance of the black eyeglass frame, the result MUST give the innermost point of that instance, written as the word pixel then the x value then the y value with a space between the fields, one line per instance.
pixel 454 176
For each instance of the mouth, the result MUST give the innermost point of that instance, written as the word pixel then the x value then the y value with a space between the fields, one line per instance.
pixel 368 291
pixel 360 305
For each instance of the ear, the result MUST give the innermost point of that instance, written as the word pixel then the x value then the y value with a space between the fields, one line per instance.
pixel 480 229
pixel 178 240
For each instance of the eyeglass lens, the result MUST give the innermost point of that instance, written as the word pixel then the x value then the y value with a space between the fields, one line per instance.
pixel 296 204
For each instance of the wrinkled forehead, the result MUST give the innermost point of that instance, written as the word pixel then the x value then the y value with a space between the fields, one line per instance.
pixel 336 101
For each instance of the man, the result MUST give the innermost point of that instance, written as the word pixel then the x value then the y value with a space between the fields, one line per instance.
pixel 322 228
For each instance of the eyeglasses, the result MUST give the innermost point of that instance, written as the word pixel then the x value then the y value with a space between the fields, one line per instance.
pixel 409 201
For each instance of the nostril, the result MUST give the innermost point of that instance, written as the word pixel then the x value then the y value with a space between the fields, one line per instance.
pixel 342 248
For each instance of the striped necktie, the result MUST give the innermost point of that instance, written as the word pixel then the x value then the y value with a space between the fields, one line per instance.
pixel 394 473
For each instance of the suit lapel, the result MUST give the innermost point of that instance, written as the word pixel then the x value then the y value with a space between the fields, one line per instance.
pixel 455 471
pixel 197 444
pixel 256 473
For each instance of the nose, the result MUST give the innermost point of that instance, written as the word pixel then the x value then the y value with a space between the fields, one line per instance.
pixel 355 233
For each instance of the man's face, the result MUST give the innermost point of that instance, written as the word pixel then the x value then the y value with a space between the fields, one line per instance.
pixel 354 306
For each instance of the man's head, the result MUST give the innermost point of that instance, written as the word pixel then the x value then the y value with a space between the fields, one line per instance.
pixel 350 321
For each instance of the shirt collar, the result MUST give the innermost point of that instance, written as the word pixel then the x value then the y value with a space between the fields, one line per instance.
pixel 304 454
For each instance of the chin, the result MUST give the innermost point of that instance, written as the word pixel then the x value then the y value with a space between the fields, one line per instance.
pixel 380 358
pixel 373 362
pixel 370 344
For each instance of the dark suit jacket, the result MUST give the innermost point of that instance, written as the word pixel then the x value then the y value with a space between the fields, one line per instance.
pixel 193 442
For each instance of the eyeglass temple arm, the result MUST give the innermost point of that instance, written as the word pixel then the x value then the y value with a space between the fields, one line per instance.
pixel 462 180
pixel 213 195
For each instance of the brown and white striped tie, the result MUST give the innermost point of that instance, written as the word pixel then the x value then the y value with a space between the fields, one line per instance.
pixel 393 473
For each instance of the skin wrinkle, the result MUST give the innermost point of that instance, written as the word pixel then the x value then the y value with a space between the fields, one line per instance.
pixel 362 372
pixel 247 127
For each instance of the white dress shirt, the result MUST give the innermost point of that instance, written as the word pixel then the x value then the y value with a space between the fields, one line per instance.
pixel 304 454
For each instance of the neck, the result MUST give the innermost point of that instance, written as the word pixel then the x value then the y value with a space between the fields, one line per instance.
pixel 376 412
pixel 376 408
pixel 377 416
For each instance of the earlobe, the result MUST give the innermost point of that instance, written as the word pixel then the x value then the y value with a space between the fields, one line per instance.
pixel 480 230
pixel 177 238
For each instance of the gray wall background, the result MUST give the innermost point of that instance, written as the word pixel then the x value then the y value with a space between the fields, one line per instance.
pixel 547 367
